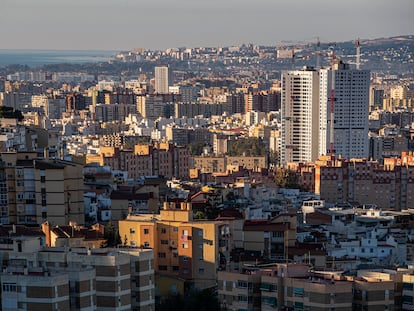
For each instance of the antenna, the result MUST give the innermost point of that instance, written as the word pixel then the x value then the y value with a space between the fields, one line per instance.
pixel 358 54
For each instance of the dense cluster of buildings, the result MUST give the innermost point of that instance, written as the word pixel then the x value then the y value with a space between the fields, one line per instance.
pixel 117 193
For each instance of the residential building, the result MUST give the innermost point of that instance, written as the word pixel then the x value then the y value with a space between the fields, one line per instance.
pixel 184 248
pixel 35 292
pixel 221 164
pixel 300 115
pixel 40 190
pixel 162 79
pixel 316 103
pixel 350 89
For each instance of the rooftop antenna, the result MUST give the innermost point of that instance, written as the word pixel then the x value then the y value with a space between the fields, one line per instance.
pixel 358 54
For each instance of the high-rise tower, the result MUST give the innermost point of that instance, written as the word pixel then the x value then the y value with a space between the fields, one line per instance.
pixel 300 115
pixel 350 124
pixel 307 121
pixel 161 79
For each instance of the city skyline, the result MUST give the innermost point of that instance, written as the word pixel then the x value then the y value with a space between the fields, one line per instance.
pixel 108 25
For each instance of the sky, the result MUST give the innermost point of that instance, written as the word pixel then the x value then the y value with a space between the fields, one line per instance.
pixel 160 24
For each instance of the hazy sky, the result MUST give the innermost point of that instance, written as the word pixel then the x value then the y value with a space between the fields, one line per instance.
pixel 158 24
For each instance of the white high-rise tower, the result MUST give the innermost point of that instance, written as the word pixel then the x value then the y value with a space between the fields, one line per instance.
pixel 351 108
pixel 300 115
pixel 306 113
pixel 161 79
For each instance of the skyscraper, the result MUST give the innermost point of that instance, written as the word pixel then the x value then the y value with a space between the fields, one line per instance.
pixel 300 115
pixel 161 79
pixel 351 108
pixel 308 97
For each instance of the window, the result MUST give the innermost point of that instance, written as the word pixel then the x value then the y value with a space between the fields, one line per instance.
pixel 201 270
pixel 131 230
pixel 185 258
pixel 162 255
pixel 176 268
pixel 175 229
pixel 185 245
pixel 186 271
pixel 185 232
pixel 408 286
pixel 277 234
pixel 146 231
pixel 164 242
pixel 162 268
pixel 163 230
pixel 9 287
pixel 146 244
pixel 242 298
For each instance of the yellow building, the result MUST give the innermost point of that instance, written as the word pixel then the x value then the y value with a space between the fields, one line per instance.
pixel 184 248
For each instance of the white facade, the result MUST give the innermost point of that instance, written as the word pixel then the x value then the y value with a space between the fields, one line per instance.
pixel 306 113
pixel 300 115
pixel 351 109
pixel 161 79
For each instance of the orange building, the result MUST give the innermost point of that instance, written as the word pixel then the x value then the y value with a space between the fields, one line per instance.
pixel 184 248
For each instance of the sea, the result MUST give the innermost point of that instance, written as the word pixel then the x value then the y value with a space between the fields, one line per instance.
pixel 35 58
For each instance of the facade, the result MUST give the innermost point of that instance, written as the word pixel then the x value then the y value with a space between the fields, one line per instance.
pixel 142 279
pixel 221 164
pixel 293 287
pixel 35 292
pixel 184 248
pixel 161 159
pixel 162 80
pixel 358 181
pixel 351 107
pixel 40 190
pixel 300 115
pixel 76 278
pixel 308 116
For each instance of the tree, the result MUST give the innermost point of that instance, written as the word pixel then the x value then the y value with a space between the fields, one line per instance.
pixel 196 148
pixel 10 113
pixel 111 235
pixel 286 178
pixel 199 215
pixel 201 300
pixel 250 146
pixel 274 158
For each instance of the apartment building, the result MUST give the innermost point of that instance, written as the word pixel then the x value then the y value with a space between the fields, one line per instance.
pixel 161 159
pixel 300 115
pixel 336 180
pixel 95 279
pixel 162 79
pixel 142 279
pixel 350 89
pixel 184 248
pixel 293 286
pixel 221 164
pixel 324 111
pixel 39 190
pixel 35 292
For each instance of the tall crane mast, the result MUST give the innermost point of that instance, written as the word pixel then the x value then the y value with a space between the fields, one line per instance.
pixel 358 54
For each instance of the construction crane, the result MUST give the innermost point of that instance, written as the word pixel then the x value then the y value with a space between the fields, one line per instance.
pixel 358 54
